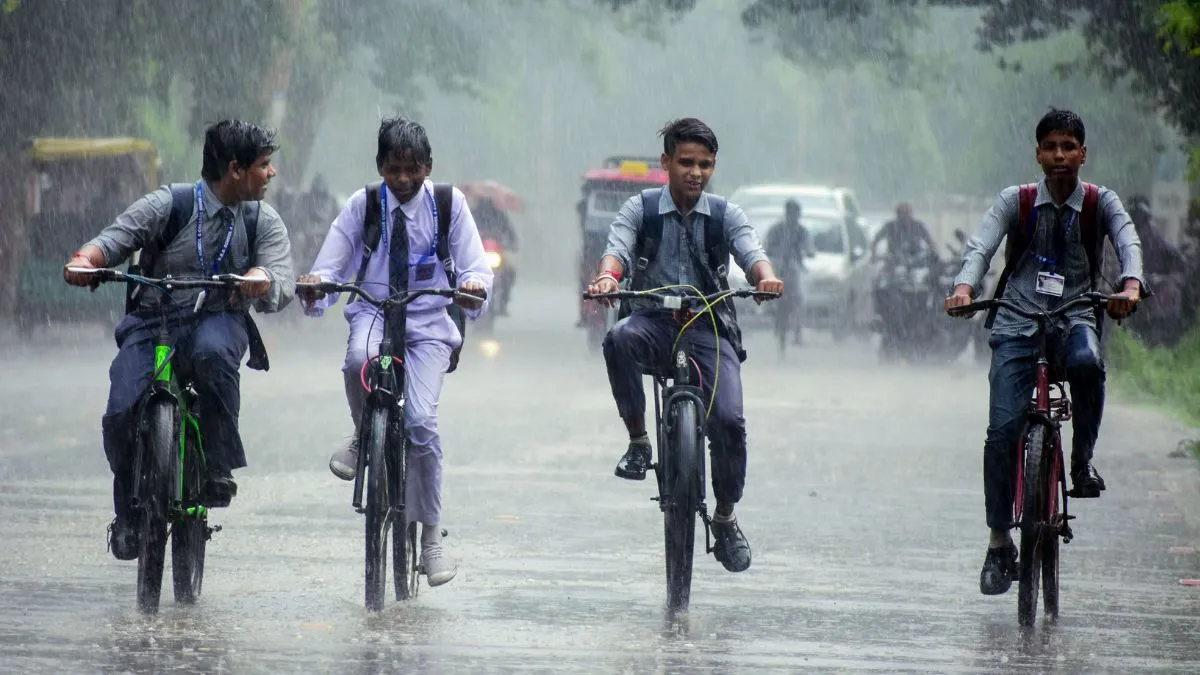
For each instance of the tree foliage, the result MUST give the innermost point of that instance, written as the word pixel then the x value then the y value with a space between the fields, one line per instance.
pixel 1152 42
pixel 112 66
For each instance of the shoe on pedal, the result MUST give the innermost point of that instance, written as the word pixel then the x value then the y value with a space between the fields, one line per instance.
pixel 635 462
pixel 999 570
pixel 1086 482
pixel 344 463
pixel 730 548
pixel 438 567
pixel 123 538
pixel 219 489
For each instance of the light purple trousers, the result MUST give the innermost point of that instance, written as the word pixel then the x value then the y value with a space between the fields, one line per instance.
pixel 431 338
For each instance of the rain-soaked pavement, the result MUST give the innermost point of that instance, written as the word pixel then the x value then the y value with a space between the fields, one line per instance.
pixel 864 509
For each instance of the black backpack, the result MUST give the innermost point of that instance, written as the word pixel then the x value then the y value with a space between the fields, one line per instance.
pixel 443 197
pixel 649 237
pixel 183 204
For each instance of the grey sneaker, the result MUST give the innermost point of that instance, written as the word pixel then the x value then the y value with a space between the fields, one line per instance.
pixel 438 567
pixel 344 462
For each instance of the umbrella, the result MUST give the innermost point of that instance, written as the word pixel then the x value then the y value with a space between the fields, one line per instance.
pixel 504 198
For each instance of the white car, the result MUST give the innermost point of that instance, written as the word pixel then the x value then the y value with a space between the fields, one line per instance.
pixel 826 199
pixel 836 284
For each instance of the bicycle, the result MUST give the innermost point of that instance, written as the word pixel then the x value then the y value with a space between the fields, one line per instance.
pixel 383 455
pixel 679 425
pixel 169 466
pixel 1040 498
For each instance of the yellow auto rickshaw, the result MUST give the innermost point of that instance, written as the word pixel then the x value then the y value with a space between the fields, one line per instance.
pixel 55 195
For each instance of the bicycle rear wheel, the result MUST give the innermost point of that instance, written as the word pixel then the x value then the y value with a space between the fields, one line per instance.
pixel 1057 519
pixel 1033 513
pixel 377 520
pixel 189 534
pixel 160 431
pixel 404 534
pixel 681 470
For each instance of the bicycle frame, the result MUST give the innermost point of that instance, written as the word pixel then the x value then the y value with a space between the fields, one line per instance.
pixel 1049 407
pixel 668 392
pixel 387 393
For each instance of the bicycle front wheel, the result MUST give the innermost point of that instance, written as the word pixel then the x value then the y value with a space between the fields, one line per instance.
pixel 1057 520
pixel 1035 488
pixel 681 500
pixel 189 534
pixel 378 517
pixel 160 431
pixel 404 533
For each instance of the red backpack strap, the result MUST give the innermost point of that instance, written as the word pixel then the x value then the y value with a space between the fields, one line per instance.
pixel 1088 228
pixel 1025 216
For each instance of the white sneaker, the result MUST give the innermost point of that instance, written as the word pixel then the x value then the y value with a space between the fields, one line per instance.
pixel 344 462
pixel 438 567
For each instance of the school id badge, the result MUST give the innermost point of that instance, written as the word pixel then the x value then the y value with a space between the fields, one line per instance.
pixel 1051 284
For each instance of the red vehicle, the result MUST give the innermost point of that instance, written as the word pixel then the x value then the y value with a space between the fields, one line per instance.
pixel 605 189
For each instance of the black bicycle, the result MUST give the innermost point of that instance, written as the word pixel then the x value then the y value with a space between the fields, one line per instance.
pixel 1040 497
pixel 383 454
pixel 169 468
pixel 679 417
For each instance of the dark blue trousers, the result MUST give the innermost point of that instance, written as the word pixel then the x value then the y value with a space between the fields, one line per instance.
pixel 641 342
pixel 1012 379
pixel 209 349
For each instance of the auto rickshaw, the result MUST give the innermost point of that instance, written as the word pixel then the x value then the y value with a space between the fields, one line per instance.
pixel 604 190
pixel 55 195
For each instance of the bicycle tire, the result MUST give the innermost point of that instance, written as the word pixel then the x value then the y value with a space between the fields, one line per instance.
pixel 377 515
pixel 1050 551
pixel 682 492
pixel 160 428
pixel 1033 511
pixel 404 538
pixel 189 534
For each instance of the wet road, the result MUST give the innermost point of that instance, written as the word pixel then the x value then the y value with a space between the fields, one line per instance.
pixel 863 506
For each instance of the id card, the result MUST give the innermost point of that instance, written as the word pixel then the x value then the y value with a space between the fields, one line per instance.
pixel 424 271
pixel 1050 284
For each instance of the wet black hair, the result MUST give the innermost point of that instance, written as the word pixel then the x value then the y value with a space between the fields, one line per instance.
pixel 234 141
pixel 687 130
pixel 400 135
pixel 1064 121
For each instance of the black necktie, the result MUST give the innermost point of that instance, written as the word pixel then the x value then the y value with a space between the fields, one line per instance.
pixel 398 279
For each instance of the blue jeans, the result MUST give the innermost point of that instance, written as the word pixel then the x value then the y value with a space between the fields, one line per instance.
pixel 1012 379
pixel 641 342
pixel 209 349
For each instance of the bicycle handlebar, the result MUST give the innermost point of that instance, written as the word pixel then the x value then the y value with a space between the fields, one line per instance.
pixel 679 301
pixel 105 274
pixel 1094 299
pixel 401 298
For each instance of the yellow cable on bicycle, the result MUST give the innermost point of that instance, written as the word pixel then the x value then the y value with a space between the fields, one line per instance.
pixel 716 332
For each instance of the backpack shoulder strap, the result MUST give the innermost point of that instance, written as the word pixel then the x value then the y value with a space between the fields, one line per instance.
pixel 649 235
pixel 1089 229
pixel 1020 234
pixel 714 239
pixel 372 225
pixel 183 203
pixel 443 199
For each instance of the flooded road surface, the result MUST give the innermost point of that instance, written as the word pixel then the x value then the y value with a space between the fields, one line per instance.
pixel 864 508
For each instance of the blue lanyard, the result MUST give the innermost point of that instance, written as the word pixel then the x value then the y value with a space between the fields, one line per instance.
pixel 387 219
pixel 1060 243
pixel 200 234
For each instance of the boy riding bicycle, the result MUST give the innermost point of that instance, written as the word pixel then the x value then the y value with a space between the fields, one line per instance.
pixel 689 221
pixel 211 332
pixel 409 234
pixel 1055 231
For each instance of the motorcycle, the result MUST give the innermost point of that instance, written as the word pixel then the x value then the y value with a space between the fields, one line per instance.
pixel 909 297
